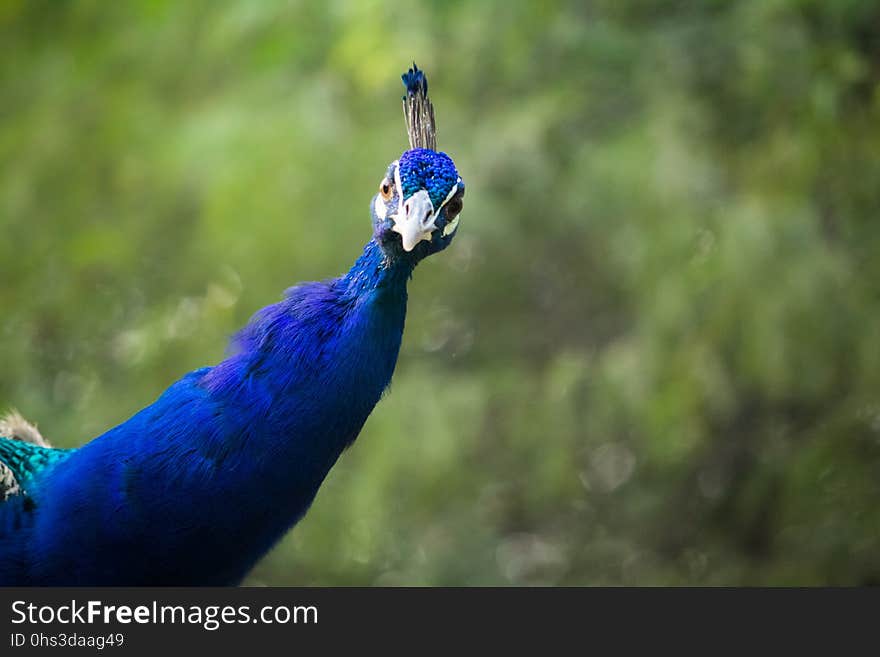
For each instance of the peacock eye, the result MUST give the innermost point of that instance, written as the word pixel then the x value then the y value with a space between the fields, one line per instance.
pixel 385 190
pixel 453 208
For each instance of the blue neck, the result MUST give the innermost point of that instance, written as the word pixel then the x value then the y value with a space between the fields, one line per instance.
pixel 310 370
pixel 374 271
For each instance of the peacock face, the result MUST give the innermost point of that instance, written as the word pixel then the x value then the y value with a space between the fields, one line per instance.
pixel 416 211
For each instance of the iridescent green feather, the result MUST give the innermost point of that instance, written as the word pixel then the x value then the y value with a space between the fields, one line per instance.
pixel 23 455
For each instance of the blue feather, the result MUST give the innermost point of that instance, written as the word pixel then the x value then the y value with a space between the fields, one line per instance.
pixel 415 81
pixel 421 168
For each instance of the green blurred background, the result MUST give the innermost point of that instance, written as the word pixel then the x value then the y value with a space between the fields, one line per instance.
pixel 651 355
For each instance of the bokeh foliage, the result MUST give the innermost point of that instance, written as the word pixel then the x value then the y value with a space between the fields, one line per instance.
pixel 651 355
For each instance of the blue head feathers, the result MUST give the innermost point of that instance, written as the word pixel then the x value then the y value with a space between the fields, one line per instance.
pixel 415 81
pixel 434 172
pixel 416 210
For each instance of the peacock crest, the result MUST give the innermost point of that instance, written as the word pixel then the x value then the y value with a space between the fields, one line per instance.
pixel 418 111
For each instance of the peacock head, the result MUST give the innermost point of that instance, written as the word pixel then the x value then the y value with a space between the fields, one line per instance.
pixel 416 209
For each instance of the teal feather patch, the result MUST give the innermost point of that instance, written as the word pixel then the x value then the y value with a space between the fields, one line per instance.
pixel 21 462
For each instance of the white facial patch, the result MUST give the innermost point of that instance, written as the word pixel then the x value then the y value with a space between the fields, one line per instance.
pixel 380 208
pixel 449 228
pixel 450 194
pixel 399 187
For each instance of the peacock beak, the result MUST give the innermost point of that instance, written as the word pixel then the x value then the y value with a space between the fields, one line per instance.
pixel 415 220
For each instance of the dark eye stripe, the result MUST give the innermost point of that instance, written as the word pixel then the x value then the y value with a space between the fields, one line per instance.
pixel 454 207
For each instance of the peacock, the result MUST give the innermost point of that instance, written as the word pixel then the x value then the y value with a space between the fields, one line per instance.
pixel 195 488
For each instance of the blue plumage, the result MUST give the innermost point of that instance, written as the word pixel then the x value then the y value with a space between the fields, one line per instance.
pixel 415 81
pixel 424 169
pixel 196 487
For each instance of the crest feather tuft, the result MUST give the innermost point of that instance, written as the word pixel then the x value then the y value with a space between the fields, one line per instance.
pixel 418 110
